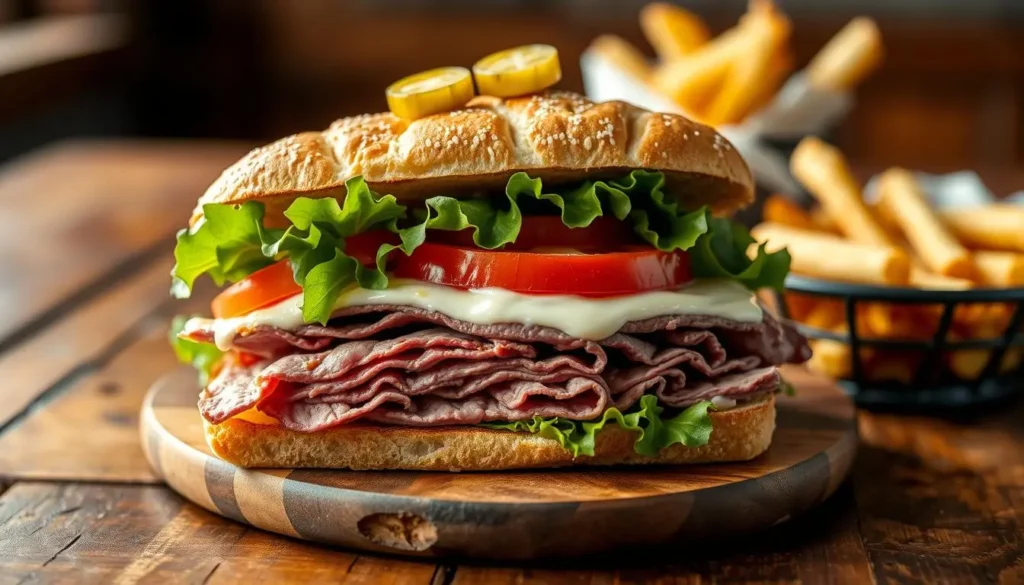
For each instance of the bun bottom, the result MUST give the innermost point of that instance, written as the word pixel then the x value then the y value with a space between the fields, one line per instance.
pixel 739 434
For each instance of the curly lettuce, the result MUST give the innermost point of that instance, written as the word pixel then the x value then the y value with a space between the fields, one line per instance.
pixel 691 427
pixel 232 241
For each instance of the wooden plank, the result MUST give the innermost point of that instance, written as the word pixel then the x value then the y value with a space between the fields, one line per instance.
pixel 73 435
pixel 39 363
pixel 73 213
pixel 74 533
pixel 943 501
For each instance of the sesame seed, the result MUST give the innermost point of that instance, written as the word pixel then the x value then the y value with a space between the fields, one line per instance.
pixel 587 143
pixel 612 140
pixel 696 132
pixel 664 154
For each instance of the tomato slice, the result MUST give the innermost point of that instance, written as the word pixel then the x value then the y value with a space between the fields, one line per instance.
pixel 639 269
pixel 548 231
pixel 260 289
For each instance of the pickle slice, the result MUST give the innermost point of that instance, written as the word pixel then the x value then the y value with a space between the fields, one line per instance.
pixel 518 71
pixel 430 92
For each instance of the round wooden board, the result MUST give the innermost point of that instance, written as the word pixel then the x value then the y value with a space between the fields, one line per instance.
pixel 519 514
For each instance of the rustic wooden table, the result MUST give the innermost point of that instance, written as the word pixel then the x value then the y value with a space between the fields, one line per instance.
pixel 86 233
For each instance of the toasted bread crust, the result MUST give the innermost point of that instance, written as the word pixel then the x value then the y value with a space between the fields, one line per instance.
pixel 739 434
pixel 558 136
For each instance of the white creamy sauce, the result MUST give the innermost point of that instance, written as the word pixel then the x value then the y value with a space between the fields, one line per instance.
pixel 580 317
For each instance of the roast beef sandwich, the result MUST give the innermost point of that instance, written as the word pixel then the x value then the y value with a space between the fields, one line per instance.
pixel 535 281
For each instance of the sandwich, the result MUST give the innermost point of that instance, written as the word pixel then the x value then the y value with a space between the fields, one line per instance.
pixel 533 281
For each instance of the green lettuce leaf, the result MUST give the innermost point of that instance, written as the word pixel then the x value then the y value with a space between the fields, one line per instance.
pixel 232 242
pixel 691 427
pixel 227 245
pixel 722 253
pixel 201 356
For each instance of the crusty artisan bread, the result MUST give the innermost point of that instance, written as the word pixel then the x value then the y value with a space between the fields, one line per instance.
pixel 739 434
pixel 558 136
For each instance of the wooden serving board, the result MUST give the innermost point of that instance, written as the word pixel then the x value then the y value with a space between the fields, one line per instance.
pixel 513 515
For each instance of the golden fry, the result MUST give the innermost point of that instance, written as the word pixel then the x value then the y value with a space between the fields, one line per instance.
pixel 826 314
pixel 693 81
pixel 831 358
pixel 921 277
pixel 995 227
pixel 781 209
pixel 767 31
pixel 830 257
pixel 823 221
pixel 823 171
pixel 1000 268
pixel 903 200
pixel 623 55
pixel 852 54
pixel 967 364
pixel 674 32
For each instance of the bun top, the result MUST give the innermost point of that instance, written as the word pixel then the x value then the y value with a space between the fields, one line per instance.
pixel 557 136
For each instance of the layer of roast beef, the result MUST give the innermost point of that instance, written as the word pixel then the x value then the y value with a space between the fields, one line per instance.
pixel 404 365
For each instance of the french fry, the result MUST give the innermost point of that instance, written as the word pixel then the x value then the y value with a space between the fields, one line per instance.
pixel 781 209
pixel 921 277
pixel 1000 269
pixel 889 321
pixel 767 30
pixel 996 226
pixel 981 320
pixel 799 306
pixel 692 81
pixel 831 358
pixel 673 31
pixel 623 55
pixel 885 219
pixel 823 170
pixel 823 221
pixel 742 85
pixel 852 54
pixel 830 257
pixel 826 314
pixel 901 196
pixel 967 364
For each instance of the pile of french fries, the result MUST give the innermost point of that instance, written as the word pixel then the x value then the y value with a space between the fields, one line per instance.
pixel 898 240
pixel 724 79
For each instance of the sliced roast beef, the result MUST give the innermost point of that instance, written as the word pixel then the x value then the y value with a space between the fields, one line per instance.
pixel 403 365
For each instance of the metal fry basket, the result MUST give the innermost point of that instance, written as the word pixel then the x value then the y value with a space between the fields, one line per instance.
pixel 927 376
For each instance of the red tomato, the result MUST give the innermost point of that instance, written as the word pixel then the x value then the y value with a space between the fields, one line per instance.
pixel 260 289
pixel 591 275
pixel 544 231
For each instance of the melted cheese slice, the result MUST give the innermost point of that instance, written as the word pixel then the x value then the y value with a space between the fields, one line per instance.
pixel 578 316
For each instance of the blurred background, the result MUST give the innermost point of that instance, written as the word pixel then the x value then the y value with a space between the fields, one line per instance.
pixel 950 94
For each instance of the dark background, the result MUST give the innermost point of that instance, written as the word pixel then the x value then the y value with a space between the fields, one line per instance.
pixel 950 96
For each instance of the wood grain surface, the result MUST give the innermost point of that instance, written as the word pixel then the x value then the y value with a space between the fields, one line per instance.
pixel 930 500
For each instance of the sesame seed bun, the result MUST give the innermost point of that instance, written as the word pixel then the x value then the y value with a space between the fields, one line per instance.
pixel 558 136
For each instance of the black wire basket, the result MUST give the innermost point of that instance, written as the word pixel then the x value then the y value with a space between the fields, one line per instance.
pixel 931 382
